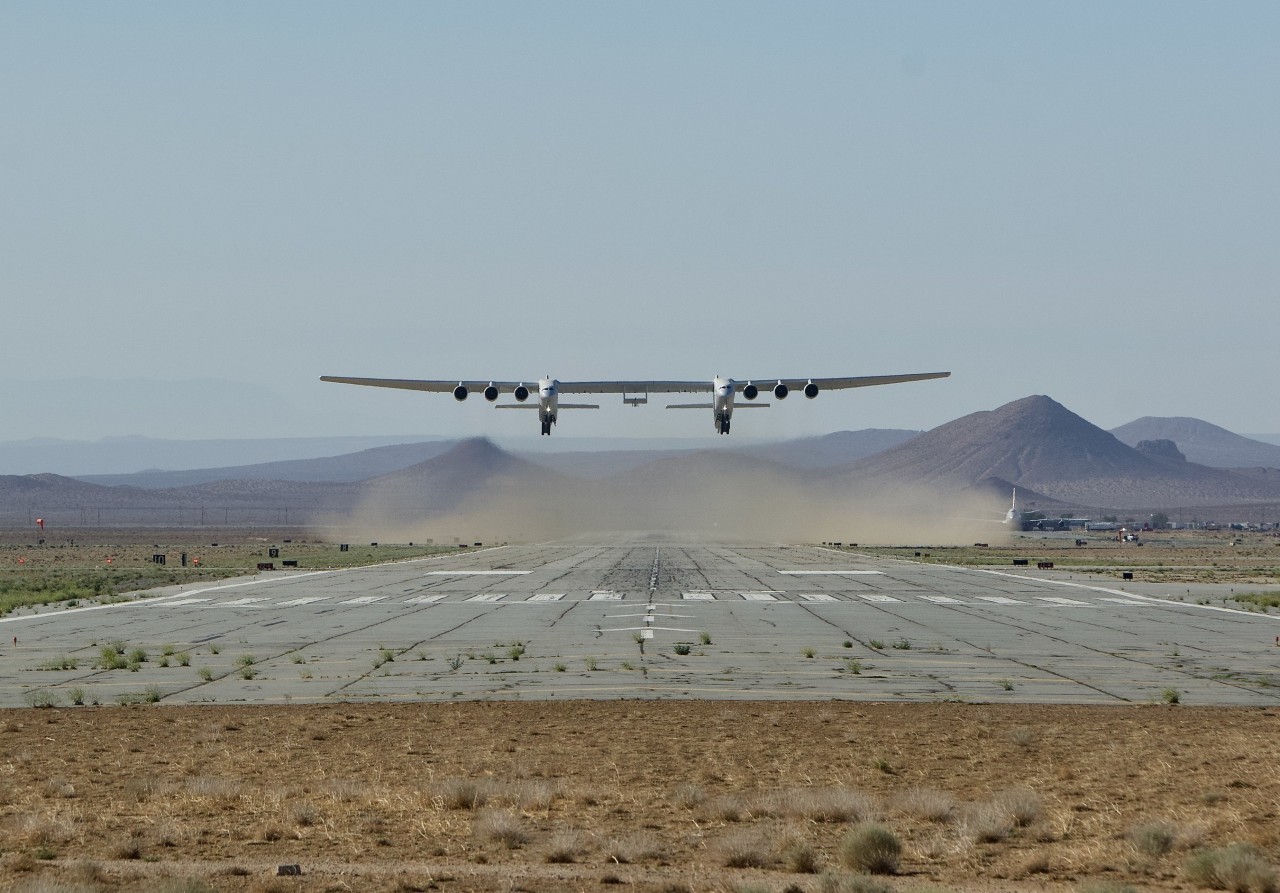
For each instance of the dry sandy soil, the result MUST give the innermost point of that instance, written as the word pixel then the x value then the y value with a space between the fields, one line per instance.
pixel 631 795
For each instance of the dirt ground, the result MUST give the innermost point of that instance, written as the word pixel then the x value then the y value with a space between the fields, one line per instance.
pixel 634 795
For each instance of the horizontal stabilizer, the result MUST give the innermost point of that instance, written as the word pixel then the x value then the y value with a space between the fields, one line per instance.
pixel 689 406
pixel 579 406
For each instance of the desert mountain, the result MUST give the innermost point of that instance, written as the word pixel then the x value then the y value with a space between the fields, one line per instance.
pixel 1202 442
pixel 1054 457
pixel 1037 443
pixel 356 466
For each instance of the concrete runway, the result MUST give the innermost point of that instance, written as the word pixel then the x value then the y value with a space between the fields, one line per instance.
pixel 604 620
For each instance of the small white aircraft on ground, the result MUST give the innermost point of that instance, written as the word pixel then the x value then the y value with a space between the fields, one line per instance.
pixel 635 393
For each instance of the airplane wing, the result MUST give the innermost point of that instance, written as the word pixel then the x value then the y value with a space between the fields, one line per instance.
pixel 635 387
pixel 435 387
pixel 703 385
pixel 836 384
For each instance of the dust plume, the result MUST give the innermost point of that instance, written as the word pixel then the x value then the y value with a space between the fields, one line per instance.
pixel 709 499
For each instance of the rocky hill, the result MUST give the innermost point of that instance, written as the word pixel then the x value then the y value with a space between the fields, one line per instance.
pixel 1202 442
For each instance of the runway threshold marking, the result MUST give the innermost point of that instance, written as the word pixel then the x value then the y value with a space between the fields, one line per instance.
pixel 186 601
pixel 873 597
pixel 364 600
pixel 546 597
pixel 816 597
pixel 488 597
pixel 942 599
pixel 306 600
pixel 998 600
pixel 238 603
pixel 425 599
pixel 1062 602
pixel 698 596
pixel 605 595
pixel 758 596
pixel 476 573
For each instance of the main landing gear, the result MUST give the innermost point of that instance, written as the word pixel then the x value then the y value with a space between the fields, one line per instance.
pixel 722 424
pixel 546 425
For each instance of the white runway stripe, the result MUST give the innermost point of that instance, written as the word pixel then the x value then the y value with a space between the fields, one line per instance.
pixel 297 602
pixel 425 599
pixel 873 597
pixel 184 601
pixel 475 573
pixel 942 599
pixel 1061 602
pixel 364 600
pixel 817 597
pixel 998 600
pixel 546 597
pixel 758 596
pixel 238 603
pixel 834 573
pixel 605 595
pixel 698 596
pixel 488 597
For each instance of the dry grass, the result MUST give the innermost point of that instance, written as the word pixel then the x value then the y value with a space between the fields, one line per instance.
pixel 197 791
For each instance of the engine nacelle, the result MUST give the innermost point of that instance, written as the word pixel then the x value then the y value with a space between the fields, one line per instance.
pixel 811 390
pixel 521 394
pixel 780 391
pixel 491 393
pixel 460 393
pixel 750 392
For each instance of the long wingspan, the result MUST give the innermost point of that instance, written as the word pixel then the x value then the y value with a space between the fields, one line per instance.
pixel 435 387
pixel 836 384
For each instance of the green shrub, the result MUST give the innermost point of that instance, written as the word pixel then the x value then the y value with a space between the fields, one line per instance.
pixel 681 648
pixel 871 847
pixel 1240 867
pixel 1153 839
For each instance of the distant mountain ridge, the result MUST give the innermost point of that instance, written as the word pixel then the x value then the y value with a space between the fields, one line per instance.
pixel 1053 456
pixel 1202 442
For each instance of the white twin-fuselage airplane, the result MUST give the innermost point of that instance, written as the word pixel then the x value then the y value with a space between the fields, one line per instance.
pixel 635 393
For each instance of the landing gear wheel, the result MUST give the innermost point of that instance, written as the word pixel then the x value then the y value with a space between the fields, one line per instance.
pixel 546 427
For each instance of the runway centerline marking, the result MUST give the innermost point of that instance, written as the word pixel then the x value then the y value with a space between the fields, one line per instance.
pixel 475 573
pixel 835 573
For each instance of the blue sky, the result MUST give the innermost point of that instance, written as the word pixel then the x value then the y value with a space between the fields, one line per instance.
pixel 1079 200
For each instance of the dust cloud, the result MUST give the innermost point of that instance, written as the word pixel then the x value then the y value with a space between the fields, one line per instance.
pixel 711 506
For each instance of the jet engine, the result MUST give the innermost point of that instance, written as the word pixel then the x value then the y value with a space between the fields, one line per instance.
pixel 750 392
pixel 491 393
pixel 521 394
pixel 780 391
pixel 460 393
pixel 811 390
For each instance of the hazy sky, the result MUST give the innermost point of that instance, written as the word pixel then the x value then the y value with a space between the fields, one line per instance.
pixel 1076 199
